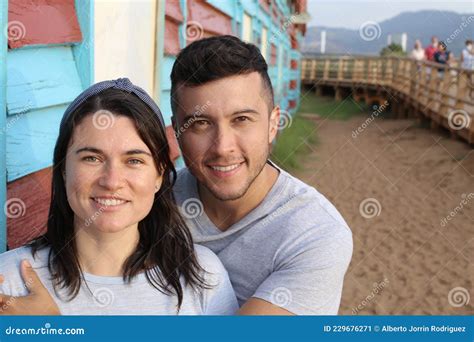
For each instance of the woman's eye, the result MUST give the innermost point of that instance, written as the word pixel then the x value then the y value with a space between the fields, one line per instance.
pixel 135 161
pixel 91 159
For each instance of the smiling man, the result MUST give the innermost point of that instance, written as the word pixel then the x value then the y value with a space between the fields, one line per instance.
pixel 285 246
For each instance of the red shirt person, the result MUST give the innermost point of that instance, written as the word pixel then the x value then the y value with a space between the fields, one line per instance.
pixel 432 49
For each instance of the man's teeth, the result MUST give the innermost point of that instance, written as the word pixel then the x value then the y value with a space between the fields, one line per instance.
pixel 225 168
pixel 109 202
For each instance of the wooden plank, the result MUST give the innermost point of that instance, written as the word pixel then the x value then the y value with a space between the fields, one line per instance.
pixel 84 52
pixel 28 207
pixel 208 18
pixel 42 22
pixel 3 116
pixel 40 78
pixel 30 140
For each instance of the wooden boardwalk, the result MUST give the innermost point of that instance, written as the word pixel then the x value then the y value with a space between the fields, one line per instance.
pixel 442 94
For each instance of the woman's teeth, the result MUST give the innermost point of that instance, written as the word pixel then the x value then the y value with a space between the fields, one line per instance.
pixel 109 202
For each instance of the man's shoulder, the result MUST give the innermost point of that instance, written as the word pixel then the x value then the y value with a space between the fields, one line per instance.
pixel 308 205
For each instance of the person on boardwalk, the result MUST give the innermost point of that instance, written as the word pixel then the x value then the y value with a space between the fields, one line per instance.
pixel 432 49
pixel 418 53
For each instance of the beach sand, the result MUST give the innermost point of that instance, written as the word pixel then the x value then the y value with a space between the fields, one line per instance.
pixel 406 259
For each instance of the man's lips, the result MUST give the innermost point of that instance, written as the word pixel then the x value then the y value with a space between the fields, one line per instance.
pixel 225 170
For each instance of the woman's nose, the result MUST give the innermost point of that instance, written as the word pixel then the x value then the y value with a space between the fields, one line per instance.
pixel 112 177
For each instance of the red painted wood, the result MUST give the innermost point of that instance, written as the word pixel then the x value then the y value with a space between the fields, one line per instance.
pixel 293 84
pixel 40 22
pixel 273 54
pixel 265 4
pixel 29 199
pixel 172 32
pixel 173 10
pixel 294 64
pixel 294 43
pixel 275 13
pixel 210 20
pixel 31 196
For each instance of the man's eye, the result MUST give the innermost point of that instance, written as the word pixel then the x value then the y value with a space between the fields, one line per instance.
pixel 201 123
pixel 241 119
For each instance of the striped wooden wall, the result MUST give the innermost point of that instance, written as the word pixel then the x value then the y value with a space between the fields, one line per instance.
pixel 66 45
pixel 48 63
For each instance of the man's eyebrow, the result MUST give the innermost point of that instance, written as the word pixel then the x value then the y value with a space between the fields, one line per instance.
pixel 194 116
pixel 99 151
pixel 245 110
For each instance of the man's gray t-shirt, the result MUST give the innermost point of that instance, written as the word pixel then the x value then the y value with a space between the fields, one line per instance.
pixel 292 250
pixel 113 296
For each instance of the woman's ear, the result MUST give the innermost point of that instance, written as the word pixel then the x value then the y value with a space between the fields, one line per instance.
pixel 158 183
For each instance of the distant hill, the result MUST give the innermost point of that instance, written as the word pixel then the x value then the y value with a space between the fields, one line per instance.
pixel 454 28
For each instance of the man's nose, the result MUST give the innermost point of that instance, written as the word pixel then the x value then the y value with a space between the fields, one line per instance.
pixel 224 141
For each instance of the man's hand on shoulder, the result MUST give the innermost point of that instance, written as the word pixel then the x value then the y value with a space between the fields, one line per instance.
pixel 37 302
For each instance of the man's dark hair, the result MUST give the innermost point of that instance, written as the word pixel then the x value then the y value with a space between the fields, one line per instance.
pixel 214 58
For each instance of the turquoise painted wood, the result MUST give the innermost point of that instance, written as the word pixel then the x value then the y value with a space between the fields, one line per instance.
pixel 225 6
pixel 84 51
pixel 40 78
pixel 3 115
pixel 30 140
pixel 165 98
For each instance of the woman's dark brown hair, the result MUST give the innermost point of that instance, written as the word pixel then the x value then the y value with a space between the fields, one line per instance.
pixel 164 239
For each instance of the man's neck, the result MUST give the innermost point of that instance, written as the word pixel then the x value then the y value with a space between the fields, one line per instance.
pixel 226 213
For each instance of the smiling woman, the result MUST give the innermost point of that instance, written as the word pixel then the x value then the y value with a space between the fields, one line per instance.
pixel 115 241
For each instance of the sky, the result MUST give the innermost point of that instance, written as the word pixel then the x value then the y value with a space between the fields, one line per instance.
pixel 352 13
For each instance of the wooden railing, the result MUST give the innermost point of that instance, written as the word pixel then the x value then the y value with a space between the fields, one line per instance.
pixel 441 93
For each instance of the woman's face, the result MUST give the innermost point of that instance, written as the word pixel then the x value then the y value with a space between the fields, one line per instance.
pixel 110 175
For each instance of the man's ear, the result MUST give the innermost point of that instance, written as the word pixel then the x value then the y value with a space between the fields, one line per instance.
pixel 274 122
pixel 174 123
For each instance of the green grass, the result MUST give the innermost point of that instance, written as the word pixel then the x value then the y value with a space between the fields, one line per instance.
pixel 330 108
pixel 292 142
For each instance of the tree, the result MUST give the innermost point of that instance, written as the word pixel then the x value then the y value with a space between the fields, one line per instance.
pixel 392 50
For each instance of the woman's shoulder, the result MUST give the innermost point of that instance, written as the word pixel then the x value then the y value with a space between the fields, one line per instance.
pixel 209 261
pixel 10 261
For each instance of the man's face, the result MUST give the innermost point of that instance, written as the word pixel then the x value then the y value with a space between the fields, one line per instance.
pixel 225 132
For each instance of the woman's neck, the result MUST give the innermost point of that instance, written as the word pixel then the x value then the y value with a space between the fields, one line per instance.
pixel 104 254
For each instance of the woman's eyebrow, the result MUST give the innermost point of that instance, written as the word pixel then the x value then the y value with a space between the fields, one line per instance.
pixel 138 151
pixel 99 151
pixel 89 149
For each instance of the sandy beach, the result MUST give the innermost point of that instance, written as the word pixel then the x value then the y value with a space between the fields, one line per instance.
pixel 407 193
